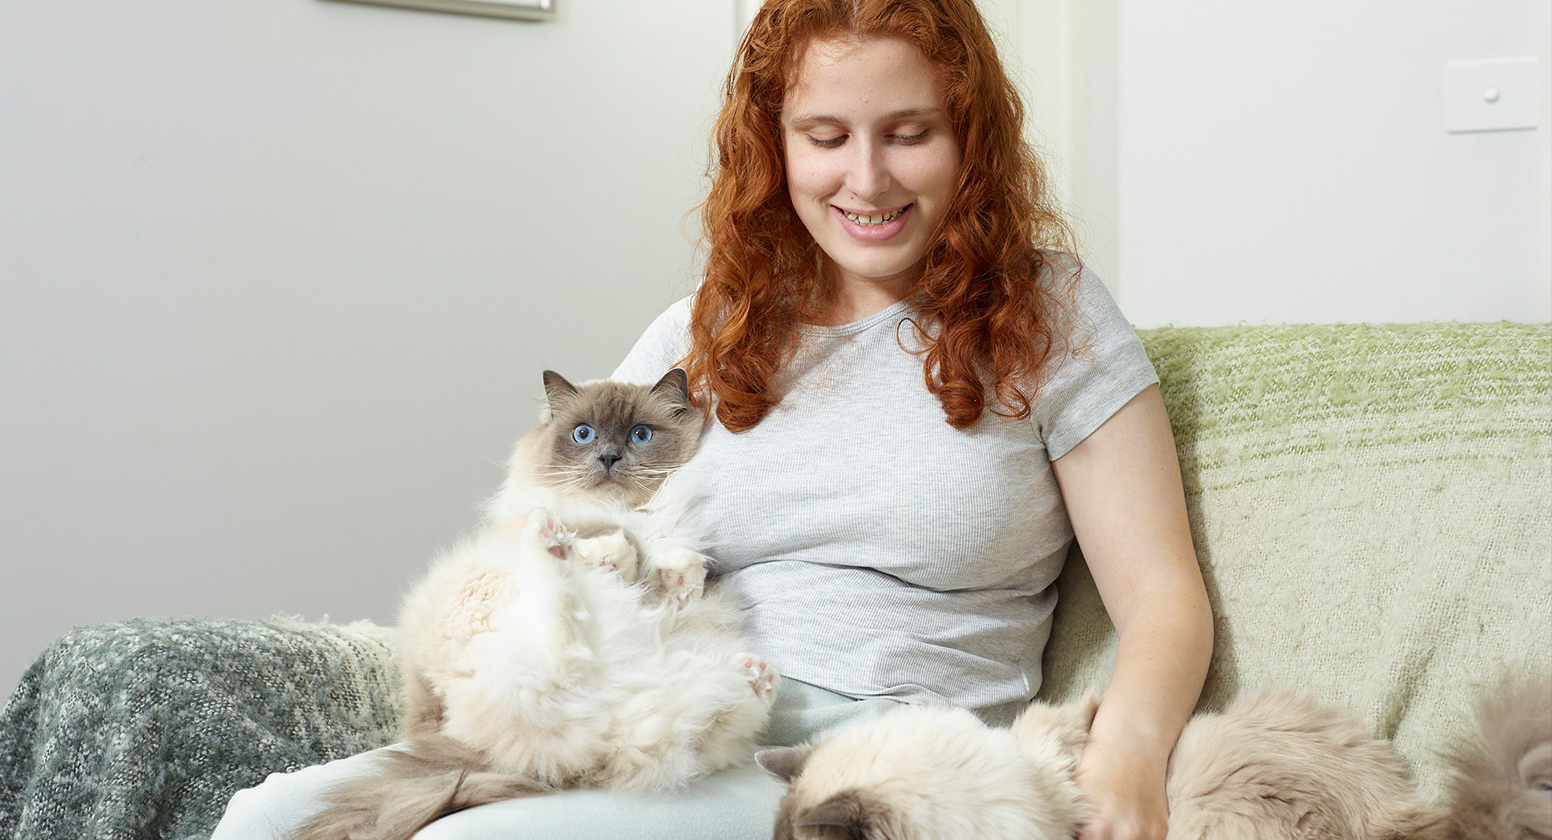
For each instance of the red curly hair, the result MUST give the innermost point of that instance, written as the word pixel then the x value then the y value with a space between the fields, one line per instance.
pixel 982 313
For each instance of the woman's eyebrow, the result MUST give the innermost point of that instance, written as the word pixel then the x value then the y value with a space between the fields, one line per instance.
pixel 911 113
pixel 892 116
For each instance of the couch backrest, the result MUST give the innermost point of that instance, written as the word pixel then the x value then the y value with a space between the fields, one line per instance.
pixel 1372 509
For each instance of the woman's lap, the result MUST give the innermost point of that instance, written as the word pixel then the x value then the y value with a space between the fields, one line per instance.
pixel 735 803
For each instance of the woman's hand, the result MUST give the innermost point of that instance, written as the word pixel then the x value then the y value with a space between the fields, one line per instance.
pixel 1125 795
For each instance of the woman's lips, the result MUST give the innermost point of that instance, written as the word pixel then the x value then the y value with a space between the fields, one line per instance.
pixel 874 233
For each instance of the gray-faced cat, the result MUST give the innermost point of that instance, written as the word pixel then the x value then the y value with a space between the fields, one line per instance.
pixel 570 644
pixel 1273 766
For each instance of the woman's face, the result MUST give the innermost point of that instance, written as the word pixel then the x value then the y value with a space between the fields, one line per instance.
pixel 871 158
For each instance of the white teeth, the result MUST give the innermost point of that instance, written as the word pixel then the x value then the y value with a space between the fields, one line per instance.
pixel 874 220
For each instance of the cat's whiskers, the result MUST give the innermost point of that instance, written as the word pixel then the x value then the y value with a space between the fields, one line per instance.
pixel 574 485
pixel 564 478
pixel 553 469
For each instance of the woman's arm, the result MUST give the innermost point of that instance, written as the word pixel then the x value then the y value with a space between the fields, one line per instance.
pixel 1122 490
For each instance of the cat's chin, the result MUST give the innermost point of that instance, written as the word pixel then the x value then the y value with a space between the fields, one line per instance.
pixel 609 489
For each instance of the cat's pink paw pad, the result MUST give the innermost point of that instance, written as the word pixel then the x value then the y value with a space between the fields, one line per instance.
pixel 680 574
pixel 549 533
pixel 762 677
pixel 610 551
pixel 679 584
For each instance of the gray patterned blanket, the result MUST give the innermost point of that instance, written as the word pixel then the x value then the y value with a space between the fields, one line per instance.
pixel 144 729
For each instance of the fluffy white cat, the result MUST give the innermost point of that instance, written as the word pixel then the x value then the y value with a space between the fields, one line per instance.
pixel 571 644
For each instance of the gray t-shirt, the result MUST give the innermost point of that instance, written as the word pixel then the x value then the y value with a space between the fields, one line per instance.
pixel 878 551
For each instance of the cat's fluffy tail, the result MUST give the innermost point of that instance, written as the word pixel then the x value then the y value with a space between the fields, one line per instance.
pixel 1502 781
pixel 428 777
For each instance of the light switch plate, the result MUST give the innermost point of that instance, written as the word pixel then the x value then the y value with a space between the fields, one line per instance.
pixel 1495 95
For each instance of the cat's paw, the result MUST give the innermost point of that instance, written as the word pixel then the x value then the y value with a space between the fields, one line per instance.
pixel 680 574
pixel 543 529
pixel 610 551
pixel 763 680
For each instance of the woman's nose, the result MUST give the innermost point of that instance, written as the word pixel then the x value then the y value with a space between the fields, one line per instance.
pixel 869 176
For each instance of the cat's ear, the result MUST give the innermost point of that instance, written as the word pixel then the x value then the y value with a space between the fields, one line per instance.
pixel 1536 766
pixel 1065 727
pixel 674 387
pixel 785 763
pixel 556 388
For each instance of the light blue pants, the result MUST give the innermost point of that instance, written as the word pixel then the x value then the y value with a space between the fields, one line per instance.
pixel 733 804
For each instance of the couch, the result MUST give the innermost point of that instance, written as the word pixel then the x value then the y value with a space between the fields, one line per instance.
pixel 1371 505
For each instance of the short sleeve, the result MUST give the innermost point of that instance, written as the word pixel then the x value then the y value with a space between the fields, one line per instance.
pixel 660 348
pixel 1104 366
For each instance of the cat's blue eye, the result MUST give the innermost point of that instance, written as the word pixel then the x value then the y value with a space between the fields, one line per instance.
pixel 641 434
pixel 583 434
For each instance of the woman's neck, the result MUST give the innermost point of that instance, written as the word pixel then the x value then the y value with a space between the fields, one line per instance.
pixel 857 298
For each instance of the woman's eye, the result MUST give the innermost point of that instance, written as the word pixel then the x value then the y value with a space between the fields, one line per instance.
pixel 910 139
pixel 583 434
pixel 641 434
pixel 828 143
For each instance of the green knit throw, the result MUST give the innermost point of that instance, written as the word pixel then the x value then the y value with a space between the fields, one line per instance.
pixel 145 729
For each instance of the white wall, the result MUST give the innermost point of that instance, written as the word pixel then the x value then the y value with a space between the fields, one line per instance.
pixel 1251 162
pixel 1288 162
pixel 1063 54
pixel 278 278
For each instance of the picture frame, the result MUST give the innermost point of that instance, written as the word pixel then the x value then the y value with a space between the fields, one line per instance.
pixel 535 10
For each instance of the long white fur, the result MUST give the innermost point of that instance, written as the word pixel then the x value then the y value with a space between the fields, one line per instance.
pixel 563 676
pixel 1273 765
pixel 573 675
pixel 944 774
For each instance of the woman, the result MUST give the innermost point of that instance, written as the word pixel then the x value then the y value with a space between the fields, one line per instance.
pixel 921 401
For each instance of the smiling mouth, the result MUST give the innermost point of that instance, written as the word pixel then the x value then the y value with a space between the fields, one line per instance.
pixel 871 221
